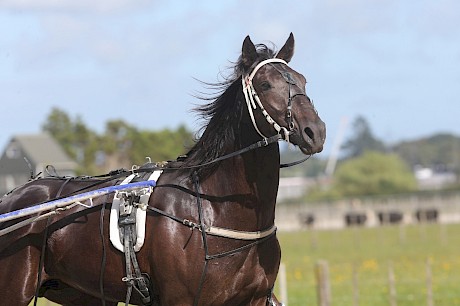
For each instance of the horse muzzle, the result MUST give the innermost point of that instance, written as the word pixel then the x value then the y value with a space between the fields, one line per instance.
pixel 310 138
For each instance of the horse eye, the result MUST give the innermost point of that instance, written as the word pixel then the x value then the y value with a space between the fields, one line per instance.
pixel 265 85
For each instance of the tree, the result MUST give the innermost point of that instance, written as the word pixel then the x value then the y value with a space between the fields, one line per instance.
pixel 439 150
pixel 120 146
pixel 61 127
pixel 117 145
pixel 362 139
pixel 373 173
pixel 77 140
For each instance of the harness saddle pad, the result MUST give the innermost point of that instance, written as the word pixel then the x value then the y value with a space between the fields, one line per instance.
pixel 140 216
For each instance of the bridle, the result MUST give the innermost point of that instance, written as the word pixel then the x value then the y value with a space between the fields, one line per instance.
pixel 253 101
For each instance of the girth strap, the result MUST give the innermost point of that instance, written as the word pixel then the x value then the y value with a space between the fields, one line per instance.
pixel 242 235
pixel 134 278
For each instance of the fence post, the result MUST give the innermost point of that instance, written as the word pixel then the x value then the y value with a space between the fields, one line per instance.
pixel 283 284
pixel 323 285
pixel 429 284
pixel 355 285
pixel 391 284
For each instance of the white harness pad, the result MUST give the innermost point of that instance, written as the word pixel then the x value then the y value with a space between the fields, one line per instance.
pixel 140 215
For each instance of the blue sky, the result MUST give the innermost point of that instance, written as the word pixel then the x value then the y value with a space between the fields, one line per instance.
pixel 397 63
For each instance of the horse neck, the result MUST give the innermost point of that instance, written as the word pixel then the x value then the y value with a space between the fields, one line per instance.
pixel 249 180
pixel 263 165
pixel 254 176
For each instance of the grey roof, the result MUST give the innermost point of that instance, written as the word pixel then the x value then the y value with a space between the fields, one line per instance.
pixel 42 149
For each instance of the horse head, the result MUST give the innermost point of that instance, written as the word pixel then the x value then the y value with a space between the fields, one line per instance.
pixel 278 92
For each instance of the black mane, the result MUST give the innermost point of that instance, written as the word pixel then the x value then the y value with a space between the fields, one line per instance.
pixel 222 115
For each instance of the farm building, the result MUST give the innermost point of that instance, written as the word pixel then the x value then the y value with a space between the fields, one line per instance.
pixel 27 155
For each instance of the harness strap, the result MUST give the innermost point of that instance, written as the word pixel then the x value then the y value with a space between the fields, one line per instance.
pixel 241 235
pixel 218 231
pixel 196 183
pixel 242 248
pixel 261 143
pixel 129 279
pixel 134 278
pixel 295 162
pixel 104 254
pixel 26 222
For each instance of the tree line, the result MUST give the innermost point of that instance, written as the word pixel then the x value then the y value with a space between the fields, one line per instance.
pixel 367 166
pixel 120 145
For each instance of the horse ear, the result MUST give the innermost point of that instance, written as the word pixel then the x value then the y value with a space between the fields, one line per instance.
pixel 287 51
pixel 249 53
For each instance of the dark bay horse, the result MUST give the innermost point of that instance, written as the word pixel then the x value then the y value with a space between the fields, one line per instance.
pixel 227 184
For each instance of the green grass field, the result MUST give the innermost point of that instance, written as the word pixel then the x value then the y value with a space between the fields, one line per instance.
pixel 367 253
pixel 363 256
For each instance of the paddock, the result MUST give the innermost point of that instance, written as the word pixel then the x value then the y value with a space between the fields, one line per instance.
pixel 404 252
pixel 372 265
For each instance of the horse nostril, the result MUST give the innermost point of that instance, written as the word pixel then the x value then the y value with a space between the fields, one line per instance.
pixel 309 132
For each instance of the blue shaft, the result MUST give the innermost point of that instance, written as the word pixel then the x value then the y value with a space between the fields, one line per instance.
pixel 72 199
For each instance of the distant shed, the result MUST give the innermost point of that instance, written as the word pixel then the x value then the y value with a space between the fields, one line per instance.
pixel 40 150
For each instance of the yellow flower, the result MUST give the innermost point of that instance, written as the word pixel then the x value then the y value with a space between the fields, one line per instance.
pixel 446 266
pixel 370 265
pixel 298 275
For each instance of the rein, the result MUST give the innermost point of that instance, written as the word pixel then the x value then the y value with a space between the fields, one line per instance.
pixel 261 143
